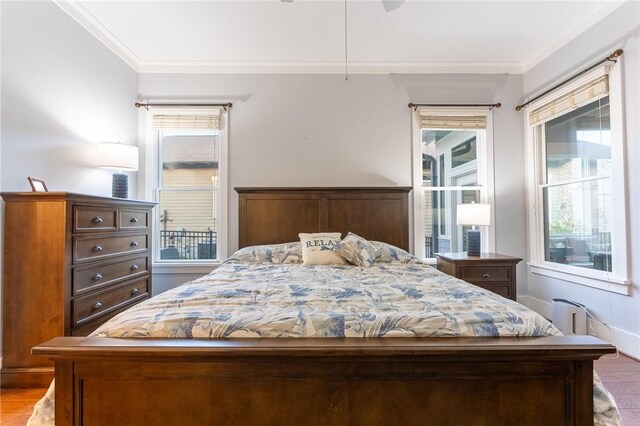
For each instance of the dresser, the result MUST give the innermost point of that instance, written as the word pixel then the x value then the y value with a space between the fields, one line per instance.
pixel 71 262
pixel 491 271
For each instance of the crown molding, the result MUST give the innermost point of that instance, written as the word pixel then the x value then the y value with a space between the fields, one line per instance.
pixel 576 28
pixel 333 67
pixel 76 11
pixel 99 31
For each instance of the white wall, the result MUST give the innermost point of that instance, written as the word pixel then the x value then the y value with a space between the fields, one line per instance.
pixel 619 30
pixel 62 92
pixel 319 130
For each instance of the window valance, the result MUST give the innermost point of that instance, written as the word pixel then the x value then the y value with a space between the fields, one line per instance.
pixel 441 120
pixel 592 87
pixel 211 120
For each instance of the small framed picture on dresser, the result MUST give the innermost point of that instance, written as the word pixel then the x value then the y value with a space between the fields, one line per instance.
pixel 37 185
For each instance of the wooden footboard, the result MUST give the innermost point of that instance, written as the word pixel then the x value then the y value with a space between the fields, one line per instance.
pixel 452 381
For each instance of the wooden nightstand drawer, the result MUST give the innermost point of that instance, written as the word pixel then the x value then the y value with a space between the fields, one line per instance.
pixel 105 246
pixel 134 219
pixel 88 218
pixel 485 273
pixel 503 290
pixel 491 271
pixel 97 304
pixel 89 278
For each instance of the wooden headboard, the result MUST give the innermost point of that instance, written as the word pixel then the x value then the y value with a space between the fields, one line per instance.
pixel 277 215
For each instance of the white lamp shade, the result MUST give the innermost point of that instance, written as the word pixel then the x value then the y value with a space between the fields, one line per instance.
pixel 117 156
pixel 474 214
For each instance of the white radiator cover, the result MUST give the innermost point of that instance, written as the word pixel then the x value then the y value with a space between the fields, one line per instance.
pixel 569 316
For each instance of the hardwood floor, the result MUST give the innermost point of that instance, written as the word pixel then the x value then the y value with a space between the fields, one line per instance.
pixel 16 405
pixel 621 376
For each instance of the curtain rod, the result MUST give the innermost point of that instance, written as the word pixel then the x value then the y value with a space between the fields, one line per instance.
pixel 611 58
pixel 491 106
pixel 225 106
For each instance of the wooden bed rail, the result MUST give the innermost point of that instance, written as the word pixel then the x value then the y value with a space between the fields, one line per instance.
pixel 378 381
pixel 550 347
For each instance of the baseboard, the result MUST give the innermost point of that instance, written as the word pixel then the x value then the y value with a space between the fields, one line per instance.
pixel 26 378
pixel 626 342
pixel 540 306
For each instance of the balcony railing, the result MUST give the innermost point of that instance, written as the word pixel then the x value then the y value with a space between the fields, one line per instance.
pixel 188 245
pixel 427 247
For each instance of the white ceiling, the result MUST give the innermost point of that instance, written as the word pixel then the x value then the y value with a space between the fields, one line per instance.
pixel 306 36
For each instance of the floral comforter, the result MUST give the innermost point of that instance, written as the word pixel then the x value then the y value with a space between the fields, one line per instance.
pixel 264 292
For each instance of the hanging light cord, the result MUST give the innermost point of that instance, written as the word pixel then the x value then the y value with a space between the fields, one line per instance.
pixel 346 73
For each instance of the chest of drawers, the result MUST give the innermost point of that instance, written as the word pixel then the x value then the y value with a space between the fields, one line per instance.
pixel 71 262
pixel 491 271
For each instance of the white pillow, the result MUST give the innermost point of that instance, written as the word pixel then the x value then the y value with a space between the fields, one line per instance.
pixel 317 249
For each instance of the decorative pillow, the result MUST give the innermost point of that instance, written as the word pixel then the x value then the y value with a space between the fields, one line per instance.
pixel 286 253
pixel 393 254
pixel 356 250
pixel 317 249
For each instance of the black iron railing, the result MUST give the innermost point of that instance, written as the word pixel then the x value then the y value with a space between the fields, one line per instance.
pixel 188 245
pixel 427 247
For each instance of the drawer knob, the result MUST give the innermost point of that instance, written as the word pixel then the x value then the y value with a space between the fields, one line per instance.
pixel 134 267
pixel 485 275
pixel 97 276
pixel 96 219
pixel 134 291
pixel 134 220
pixel 97 305
pixel 97 249
pixel 134 244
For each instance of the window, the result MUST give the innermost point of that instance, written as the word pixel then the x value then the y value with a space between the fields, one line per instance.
pixel 453 162
pixel 189 181
pixel 576 192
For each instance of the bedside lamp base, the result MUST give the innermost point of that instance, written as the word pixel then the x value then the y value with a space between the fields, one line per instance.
pixel 473 242
pixel 120 186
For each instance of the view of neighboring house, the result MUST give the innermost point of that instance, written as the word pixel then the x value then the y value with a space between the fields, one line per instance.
pixel 188 195
pixel 449 159
pixel 578 147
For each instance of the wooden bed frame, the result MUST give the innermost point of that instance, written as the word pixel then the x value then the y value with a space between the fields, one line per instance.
pixel 452 381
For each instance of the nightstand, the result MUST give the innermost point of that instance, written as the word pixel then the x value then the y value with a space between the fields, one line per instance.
pixel 492 271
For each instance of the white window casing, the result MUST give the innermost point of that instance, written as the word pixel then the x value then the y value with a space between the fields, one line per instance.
pixel 596 84
pixel 454 118
pixel 196 118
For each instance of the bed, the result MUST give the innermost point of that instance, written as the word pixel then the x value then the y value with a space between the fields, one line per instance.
pixel 221 366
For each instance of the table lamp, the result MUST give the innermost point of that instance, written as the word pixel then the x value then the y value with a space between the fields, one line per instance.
pixel 474 215
pixel 119 157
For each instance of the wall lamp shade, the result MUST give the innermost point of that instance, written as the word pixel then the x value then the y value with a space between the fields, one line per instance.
pixel 120 157
pixel 474 215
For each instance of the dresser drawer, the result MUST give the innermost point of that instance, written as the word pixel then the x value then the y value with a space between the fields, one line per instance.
pixel 134 219
pixel 485 273
pixel 92 277
pixel 88 218
pixel 85 249
pixel 94 305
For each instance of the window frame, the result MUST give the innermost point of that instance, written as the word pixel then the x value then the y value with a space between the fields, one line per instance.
pixel 617 280
pixel 485 179
pixel 152 181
